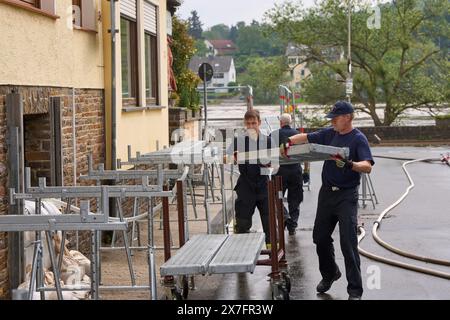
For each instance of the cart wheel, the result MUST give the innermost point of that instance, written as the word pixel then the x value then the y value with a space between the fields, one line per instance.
pixel 185 287
pixel 287 281
pixel 279 292
pixel 176 294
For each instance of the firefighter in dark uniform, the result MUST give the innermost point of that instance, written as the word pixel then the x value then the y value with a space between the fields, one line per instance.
pixel 291 175
pixel 251 187
pixel 338 197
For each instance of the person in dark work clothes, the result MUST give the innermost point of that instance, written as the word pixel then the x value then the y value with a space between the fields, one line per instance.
pixel 338 197
pixel 251 186
pixel 291 175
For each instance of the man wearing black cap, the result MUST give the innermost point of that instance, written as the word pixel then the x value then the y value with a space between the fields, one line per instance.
pixel 338 196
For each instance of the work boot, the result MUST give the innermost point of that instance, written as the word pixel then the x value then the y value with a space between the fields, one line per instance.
pixel 291 232
pixel 325 285
pixel 354 297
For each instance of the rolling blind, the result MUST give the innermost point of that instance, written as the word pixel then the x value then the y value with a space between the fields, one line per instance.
pixel 128 8
pixel 149 17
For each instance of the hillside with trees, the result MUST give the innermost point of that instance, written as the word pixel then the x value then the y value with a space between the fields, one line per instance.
pixel 402 64
pixel 259 60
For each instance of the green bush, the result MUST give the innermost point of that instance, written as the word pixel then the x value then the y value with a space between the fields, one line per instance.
pixel 232 84
pixel 316 122
pixel 183 48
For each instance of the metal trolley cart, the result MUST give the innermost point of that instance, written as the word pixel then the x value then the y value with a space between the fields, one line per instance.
pixel 239 253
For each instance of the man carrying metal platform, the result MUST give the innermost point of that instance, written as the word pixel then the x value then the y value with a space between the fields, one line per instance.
pixel 251 187
pixel 291 175
pixel 338 196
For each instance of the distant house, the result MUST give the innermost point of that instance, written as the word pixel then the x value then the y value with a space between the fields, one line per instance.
pixel 297 68
pixel 221 47
pixel 223 66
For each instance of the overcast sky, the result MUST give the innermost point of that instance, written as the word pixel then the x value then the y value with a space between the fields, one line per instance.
pixel 229 12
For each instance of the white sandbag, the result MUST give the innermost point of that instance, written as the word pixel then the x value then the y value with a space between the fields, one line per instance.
pixel 29 237
pixel 52 295
pixel 82 261
pixel 49 281
pixel 71 272
pixel 82 295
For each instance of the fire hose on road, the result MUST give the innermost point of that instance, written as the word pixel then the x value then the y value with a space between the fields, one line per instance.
pixel 386 245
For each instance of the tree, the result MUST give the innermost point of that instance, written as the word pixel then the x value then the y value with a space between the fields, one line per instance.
pixel 195 25
pixel 254 39
pixel 217 32
pixel 398 64
pixel 322 87
pixel 264 75
pixel 201 49
pixel 233 33
pixel 183 48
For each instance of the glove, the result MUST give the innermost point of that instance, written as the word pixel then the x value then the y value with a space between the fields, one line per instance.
pixel 284 147
pixel 305 177
pixel 343 163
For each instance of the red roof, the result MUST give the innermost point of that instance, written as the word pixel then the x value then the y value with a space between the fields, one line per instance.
pixel 223 44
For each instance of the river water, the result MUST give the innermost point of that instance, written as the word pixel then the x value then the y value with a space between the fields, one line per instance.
pixel 229 110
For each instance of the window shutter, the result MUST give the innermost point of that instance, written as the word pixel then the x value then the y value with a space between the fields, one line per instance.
pixel 88 14
pixel 128 8
pixel 169 23
pixel 48 6
pixel 150 17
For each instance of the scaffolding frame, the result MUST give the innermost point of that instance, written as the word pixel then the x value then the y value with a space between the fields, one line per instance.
pixel 86 220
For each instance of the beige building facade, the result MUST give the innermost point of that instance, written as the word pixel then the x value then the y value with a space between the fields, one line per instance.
pixel 57 68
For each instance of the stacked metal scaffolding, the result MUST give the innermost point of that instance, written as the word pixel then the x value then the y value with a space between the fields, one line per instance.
pixel 84 220
pixel 222 258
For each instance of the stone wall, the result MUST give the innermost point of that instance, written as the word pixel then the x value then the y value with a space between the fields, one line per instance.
pixel 90 137
pixel 190 121
pixel 411 133
pixel 401 134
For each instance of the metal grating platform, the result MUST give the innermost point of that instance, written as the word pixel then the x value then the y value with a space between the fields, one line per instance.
pixel 316 152
pixel 238 254
pixel 194 257
pixel 297 153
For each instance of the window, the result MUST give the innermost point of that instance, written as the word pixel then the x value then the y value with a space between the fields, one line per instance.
pixel 151 53
pixel 219 76
pixel 292 61
pixel 34 3
pixel 84 14
pixel 76 13
pixel 151 69
pixel 128 38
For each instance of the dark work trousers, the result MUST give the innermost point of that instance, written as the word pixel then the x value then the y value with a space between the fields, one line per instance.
pixel 293 183
pixel 251 195
pixel 333 207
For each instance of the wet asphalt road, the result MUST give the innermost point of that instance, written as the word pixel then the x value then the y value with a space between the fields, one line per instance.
pixel 420 224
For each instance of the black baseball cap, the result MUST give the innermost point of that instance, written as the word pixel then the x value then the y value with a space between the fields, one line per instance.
pixel 340 108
